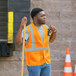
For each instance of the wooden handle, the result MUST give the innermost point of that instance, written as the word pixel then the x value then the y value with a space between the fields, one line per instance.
pixel 23 50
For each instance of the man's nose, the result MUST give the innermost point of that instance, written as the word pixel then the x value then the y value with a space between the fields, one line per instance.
pixel 44 17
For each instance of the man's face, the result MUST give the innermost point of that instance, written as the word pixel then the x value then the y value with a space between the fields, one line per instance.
pixel 41 17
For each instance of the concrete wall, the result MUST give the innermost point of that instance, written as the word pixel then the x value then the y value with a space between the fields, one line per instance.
pixel 62 14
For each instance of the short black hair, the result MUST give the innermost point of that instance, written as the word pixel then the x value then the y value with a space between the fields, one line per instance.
pixel 35 11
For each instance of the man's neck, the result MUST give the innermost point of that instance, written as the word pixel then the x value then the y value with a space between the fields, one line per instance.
pixel 36 24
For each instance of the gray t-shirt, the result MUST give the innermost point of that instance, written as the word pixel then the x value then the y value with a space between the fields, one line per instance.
pixel 41 32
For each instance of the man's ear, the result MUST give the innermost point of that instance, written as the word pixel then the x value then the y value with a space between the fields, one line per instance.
pixel 34 18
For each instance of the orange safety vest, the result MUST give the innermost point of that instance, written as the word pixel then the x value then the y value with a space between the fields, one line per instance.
pixel 37 52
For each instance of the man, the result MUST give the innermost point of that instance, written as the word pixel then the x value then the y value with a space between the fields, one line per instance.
pixel 37 40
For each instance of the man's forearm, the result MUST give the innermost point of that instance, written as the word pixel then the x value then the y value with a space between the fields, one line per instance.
pixel 19 33
pixel 52 37
pixel 19 36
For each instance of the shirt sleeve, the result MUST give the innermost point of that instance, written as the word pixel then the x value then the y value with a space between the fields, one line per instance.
pixel 26 34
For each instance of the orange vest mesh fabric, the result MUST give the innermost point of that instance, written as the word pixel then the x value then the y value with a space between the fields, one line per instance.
pixel 37 57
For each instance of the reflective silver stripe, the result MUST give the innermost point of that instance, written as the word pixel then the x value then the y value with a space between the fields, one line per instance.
pixel 46 48
pixel 67 69
pixel 32 36
pixel 68 58
pixel 36 49
pixel 33 43
pixel 46 26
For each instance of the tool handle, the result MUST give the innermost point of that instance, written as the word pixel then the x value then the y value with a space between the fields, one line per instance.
pixel 23 49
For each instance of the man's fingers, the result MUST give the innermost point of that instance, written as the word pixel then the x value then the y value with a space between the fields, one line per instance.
pixel 53 28
pixel 23 21
pixel 50 27
pixel 25 18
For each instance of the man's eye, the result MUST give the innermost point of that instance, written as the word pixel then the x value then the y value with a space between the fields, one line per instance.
pixel 42 16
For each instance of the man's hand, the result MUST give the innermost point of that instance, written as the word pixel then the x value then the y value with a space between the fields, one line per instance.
pixel 53 29
pixel 23 21
pixel 53 36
